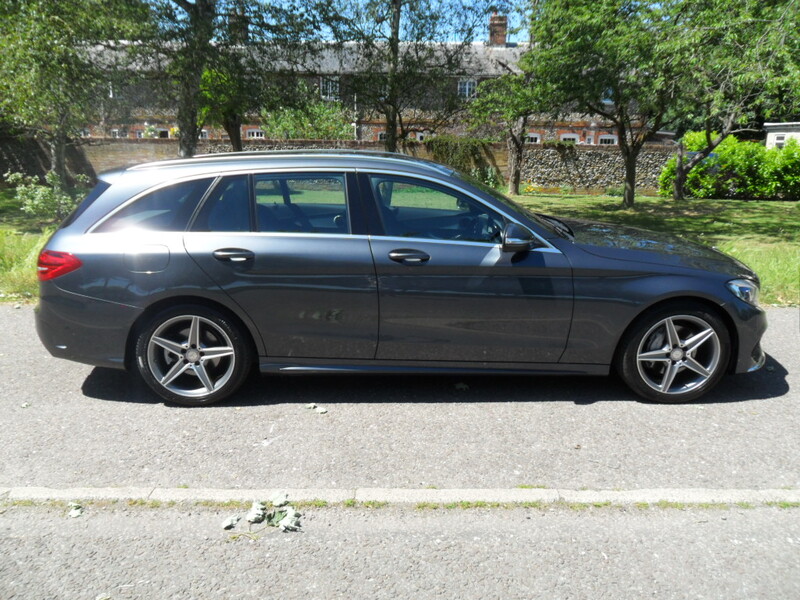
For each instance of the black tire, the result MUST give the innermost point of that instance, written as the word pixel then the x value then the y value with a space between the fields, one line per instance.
pixel 688 346
pixel 193 355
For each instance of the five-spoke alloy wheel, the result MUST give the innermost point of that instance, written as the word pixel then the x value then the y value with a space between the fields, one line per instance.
pixel 675 354
pixel 192 355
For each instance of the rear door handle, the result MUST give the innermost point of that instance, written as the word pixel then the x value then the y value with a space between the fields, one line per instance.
pixel 409 257
pixel 235 255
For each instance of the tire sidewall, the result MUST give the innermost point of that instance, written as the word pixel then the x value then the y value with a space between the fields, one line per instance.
pixel 242 353
pixel 627 365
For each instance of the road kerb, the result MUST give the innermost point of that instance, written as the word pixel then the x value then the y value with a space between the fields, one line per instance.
pixel 695 496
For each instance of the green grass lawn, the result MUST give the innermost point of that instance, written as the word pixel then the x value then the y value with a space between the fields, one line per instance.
pixel 763 235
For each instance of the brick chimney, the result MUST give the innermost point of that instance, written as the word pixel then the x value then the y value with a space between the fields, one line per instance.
pixel 498 30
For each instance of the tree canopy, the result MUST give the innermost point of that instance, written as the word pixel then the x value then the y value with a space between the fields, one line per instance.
pixel 407 56
pixel 53 82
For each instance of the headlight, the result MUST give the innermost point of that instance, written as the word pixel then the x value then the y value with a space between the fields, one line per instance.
pixel 745 290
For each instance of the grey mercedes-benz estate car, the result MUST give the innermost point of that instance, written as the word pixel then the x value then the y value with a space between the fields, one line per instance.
pixel 192 271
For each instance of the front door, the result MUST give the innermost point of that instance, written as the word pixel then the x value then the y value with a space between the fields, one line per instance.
pixel 449 293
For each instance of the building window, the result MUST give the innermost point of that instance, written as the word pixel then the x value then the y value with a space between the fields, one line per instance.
pixel 115 133
pixel 255 134
pixel 382 136
pixel 329 88
pixel 780 140
pixel 163 134
pixel 533 138
pixel 607 140
pixel 204 134
pixel 139 134
pixel 569 138
pixel 590 139
pixel 467 88
pixel 86 133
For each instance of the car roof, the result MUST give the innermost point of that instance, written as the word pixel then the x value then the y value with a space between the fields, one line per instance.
pixel 280 159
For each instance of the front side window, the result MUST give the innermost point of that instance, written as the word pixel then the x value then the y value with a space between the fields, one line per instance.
pixel 302 203
pixel 607 140
pixel 418 209
pixel 569 137
pixel 165 209
pixel 255 134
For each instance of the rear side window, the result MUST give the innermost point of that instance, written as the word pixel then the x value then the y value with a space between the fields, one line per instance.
pixel 227 207
pixel 302 202
pixel 96 192
pixel 165 209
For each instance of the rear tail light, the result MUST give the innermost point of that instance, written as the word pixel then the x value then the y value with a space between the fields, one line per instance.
pixel 54 264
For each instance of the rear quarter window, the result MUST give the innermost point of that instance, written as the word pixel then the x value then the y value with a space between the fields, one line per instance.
pixel 93 195
pixel 165 209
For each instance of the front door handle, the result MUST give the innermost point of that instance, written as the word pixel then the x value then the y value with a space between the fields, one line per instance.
pixel 409 257
pixel 234 255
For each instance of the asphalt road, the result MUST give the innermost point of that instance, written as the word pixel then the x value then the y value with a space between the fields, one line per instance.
pixel 70 425
pixel 396 553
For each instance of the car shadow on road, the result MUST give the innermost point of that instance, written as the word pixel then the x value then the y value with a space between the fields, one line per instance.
pixel 118 386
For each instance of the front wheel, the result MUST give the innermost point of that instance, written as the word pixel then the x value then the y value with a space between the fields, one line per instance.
pixel 675 354
pixel 193 355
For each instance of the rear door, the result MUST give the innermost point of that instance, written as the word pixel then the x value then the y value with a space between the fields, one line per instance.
pixel 281 245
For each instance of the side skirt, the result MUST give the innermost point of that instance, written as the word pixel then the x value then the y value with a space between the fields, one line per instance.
pixel 329 366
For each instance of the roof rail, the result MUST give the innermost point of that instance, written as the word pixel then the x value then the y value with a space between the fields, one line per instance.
pixel 317 153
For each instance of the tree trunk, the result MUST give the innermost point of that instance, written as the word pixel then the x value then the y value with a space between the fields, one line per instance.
pixel 390 142
pixel 232 123
pixel 680 176
pixel 630 156
pixel 391 79
pixel 516 150
pixel 187 117
pixel 196 55
pixel 58 155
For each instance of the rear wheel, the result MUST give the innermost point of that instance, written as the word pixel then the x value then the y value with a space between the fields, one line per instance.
pixel 193 355
pixel 675 354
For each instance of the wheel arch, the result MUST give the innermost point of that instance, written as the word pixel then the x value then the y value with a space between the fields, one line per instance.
pixel 697 301
pixel 172 301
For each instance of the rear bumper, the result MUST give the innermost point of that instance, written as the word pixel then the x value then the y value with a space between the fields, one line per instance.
pixel 84 329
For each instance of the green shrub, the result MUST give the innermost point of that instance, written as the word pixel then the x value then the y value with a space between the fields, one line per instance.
pixel 51 201
pixel 317 119
pixel 462 153
pixel 781 171
pixel 739 170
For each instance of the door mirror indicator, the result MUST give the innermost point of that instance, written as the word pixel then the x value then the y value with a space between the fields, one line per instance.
pixel 517 238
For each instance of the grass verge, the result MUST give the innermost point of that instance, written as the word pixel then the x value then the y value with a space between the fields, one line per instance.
pixel 18 255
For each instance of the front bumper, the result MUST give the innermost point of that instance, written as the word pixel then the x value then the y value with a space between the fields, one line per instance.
pixel 751 323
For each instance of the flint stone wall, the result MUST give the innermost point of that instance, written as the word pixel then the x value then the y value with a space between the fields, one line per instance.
pixel 583 167
pixel 579 167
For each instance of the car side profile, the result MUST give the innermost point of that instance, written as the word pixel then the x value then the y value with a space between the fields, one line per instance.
pixel 192 271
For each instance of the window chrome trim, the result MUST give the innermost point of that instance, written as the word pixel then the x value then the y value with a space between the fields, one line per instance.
pixel 215 176
pixel 548 247
pixel 278 234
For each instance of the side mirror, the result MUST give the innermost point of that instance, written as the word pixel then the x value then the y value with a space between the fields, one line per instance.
pixel 517 238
